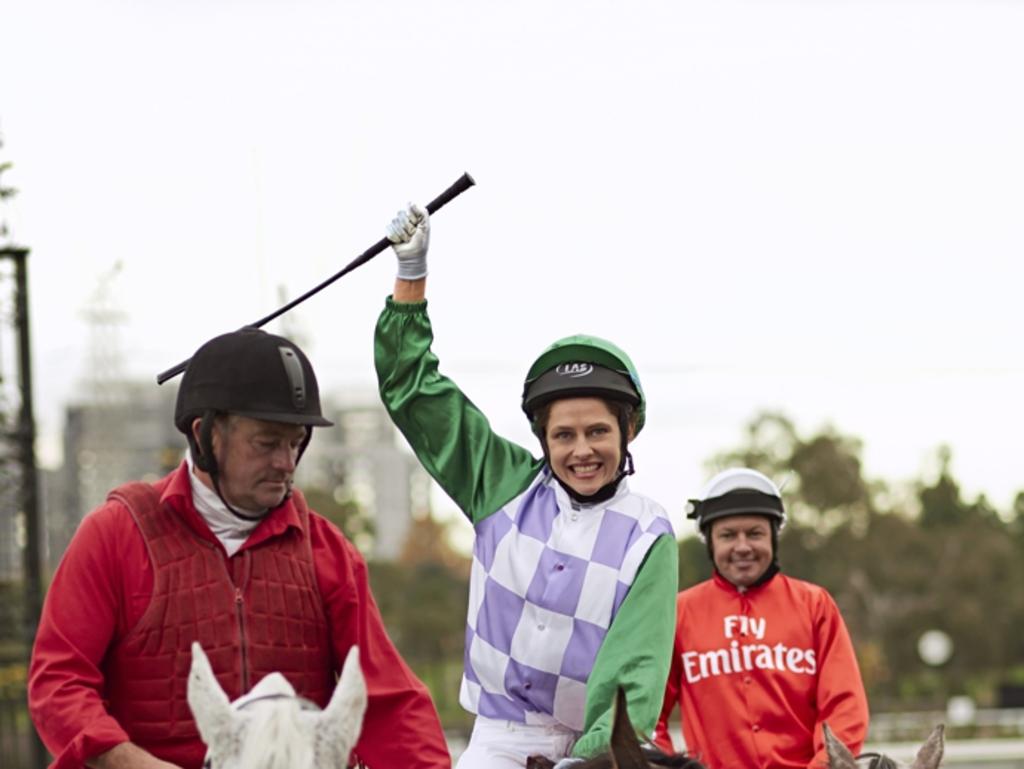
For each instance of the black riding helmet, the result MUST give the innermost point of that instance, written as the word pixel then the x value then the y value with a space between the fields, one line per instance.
pixel 251 373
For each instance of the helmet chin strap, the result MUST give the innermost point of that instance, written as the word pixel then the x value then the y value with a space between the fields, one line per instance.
pixel 205 460
pixel 232 510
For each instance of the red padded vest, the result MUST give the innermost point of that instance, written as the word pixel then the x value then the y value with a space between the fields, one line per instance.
pixel 254 613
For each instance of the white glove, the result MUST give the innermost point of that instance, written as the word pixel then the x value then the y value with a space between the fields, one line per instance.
pixel 409 233
pixel 566 763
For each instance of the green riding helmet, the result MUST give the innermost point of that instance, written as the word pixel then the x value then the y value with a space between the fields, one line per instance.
pixel 582 366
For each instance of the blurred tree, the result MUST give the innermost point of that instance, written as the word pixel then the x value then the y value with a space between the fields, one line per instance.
pixel 770 442
pixel 975 555
pixel 1017 513
pixel 822 476
pixel 940 503
pixel 6 193
pixel 430 607
pixel 694 563
pixel 427 542
pixel 422 597
pixel 343 512
pixel 12 620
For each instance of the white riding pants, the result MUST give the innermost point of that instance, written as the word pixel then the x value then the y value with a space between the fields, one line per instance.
pixel 497 744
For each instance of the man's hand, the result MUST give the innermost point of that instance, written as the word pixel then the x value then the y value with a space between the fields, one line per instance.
pixel 409 233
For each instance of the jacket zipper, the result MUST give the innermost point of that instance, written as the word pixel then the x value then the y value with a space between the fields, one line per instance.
pixel 239 605
pixel 240 618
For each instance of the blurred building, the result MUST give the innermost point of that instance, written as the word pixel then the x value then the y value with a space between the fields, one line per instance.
pixel 13 533
pixel 128 435
pixel 363 459
pixel 12 525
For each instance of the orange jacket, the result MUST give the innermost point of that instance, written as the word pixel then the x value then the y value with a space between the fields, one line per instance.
pixel 104 586
pixel 757 672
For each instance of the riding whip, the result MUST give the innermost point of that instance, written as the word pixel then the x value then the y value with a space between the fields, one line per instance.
pixel 462 184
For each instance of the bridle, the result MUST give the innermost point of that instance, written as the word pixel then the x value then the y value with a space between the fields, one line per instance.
pixel 877 761
pixel 304 704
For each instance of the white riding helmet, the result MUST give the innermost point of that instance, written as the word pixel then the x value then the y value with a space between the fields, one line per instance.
pixel 737 491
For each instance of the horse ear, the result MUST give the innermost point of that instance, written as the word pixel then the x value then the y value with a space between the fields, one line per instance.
pixel 626 753
pixel 839 756
pixel 930 754
pixel 342 719
pixel 206 698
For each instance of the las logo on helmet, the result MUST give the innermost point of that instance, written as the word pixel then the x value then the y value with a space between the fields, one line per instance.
pixel 574 370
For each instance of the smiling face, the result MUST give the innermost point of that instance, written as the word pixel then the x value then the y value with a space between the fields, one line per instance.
pixel 741 547
pixel 256 460
pixel 584 443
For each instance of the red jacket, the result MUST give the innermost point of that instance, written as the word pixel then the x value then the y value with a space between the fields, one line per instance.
pixel 263 615
pixel 104 586
pixel 756 673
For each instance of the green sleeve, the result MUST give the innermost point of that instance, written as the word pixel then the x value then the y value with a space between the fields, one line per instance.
pixel 636 653
pixel 452 439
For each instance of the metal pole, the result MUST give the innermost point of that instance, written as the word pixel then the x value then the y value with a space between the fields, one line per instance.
pixel 26 437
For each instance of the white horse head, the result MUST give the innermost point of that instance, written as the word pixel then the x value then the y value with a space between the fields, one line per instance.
pixel 269 728
pixel 928 757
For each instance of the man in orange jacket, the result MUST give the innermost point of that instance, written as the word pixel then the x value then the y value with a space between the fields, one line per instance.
pixel 761 660
pixel 225 552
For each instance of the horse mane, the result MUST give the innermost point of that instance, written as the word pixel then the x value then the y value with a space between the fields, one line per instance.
pixel 625 752
pixel 878 761
pixel 275 736
pixel 677 761
pixel 653 756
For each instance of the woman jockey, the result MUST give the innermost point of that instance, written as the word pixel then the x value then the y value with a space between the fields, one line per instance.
pixel 574 576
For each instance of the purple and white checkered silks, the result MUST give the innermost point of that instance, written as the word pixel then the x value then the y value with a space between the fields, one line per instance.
pixel 547 581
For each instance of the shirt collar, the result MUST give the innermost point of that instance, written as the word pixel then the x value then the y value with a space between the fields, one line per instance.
pixel 566 502
pixel 179 495
pixel 763 580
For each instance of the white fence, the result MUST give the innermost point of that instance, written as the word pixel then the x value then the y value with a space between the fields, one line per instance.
pixel 984 739
pixel 962 754
pixel 991 739
pixel 984 724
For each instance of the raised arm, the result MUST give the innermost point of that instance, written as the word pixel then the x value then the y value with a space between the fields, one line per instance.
pixel 453 440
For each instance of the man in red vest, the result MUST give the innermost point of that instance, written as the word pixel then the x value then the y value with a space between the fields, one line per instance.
pixel 761 660
pixel 222 551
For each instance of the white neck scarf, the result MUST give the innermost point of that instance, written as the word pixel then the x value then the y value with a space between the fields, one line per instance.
pixel 231 530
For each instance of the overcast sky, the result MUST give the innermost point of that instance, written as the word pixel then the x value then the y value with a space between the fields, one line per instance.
pixel 806 206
